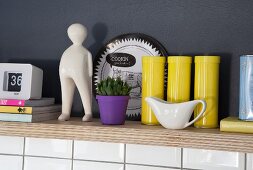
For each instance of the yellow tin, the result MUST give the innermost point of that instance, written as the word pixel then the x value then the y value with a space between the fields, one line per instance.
pixel 206 86
pixel 179 78
pixel 152 85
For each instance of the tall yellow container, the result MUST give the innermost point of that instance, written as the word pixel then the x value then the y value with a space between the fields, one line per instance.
pixel 152 85
pixel 206 86
pixel 179 78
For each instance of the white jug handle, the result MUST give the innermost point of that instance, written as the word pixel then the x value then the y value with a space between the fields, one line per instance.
pixel 203 102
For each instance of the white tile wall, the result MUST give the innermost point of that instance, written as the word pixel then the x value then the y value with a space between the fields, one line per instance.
pixel 37 163
pixel 213 160
pixel 89 165
pixel 48 147
pixel 11 145
pixel 250 161
pixel 138 167
pixel 10 162
pixel 153 155
pixel 99 151
pixel 54 154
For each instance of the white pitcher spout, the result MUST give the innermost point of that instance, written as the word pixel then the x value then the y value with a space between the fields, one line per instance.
pixel 156 100
pixel 154 103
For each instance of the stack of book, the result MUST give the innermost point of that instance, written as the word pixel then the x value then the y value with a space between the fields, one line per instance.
pixel 29 110
pixel 233 124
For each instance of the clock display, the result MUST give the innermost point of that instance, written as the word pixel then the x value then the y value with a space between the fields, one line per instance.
pixel 14 81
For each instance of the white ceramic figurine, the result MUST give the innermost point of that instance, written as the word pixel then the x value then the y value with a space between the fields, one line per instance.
pixel 76 70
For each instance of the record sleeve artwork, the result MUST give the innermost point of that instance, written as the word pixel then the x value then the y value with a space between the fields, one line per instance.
pixel 122 57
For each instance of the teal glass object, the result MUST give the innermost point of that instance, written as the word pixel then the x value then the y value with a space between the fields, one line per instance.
pixel 246 88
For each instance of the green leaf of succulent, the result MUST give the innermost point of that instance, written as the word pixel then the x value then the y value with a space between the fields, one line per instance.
pixel 103 92
pixel 104 84
pixel 108 91
pixel 119 90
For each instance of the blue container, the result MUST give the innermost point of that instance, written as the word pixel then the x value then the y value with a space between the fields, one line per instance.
pixel 246 88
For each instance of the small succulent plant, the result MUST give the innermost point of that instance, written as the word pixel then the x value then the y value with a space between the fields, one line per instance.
pixel 113 87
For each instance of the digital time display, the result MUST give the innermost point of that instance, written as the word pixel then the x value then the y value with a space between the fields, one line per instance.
pixel 14 81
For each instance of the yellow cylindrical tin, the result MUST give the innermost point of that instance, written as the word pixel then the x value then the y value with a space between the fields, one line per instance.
pixel 152 85
pixel 206 86
pixel 179 78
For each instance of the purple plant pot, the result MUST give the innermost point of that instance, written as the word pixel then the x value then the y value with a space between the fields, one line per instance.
pixel 112 109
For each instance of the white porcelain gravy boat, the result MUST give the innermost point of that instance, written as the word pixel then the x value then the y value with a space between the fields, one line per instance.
pixel 174 115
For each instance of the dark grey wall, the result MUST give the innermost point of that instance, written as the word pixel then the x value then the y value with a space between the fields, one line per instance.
pixel 35 32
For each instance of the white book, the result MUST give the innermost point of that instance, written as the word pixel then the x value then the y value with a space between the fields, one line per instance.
pixel 28 117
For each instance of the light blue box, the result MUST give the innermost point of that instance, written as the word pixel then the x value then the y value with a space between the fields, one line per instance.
pixel 246 88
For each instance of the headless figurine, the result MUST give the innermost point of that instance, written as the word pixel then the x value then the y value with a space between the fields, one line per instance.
pixel 76 71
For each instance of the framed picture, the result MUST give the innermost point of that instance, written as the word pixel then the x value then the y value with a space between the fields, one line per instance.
pixel 122 57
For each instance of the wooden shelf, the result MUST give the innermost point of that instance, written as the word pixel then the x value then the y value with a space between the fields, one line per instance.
pixel 132 133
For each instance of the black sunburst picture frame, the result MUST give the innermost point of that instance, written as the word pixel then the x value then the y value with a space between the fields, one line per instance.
pixel 121 57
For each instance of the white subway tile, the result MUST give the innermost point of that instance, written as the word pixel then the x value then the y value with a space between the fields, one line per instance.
pixel 89 165
pixel 213 160
pixel 99 151
pixel 249 161
pixel 48 147
pixel 11 145
pixel 138 167
pixel 11 162
pixel 153 155
pixel 38 163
